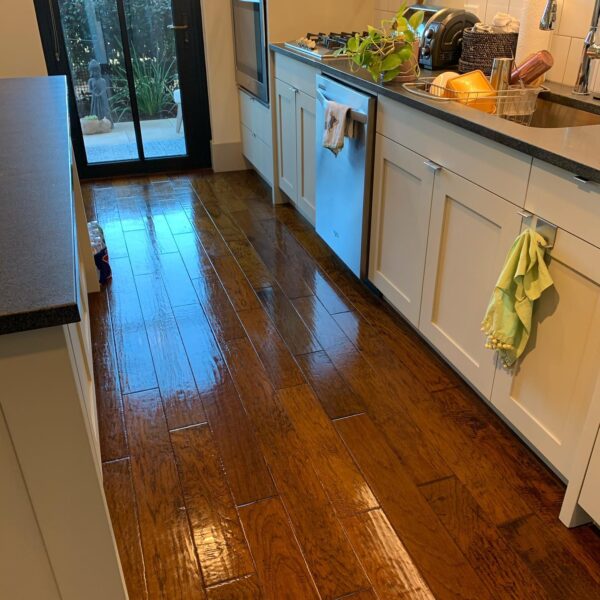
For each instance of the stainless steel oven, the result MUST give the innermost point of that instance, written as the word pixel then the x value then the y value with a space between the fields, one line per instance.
pixel 250 36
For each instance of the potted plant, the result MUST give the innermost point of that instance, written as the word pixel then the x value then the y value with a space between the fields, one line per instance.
pixel 390 51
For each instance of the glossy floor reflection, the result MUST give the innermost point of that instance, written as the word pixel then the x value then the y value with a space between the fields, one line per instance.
pixel 270 429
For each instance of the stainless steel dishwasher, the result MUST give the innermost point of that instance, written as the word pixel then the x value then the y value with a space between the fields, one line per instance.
pixel 343 182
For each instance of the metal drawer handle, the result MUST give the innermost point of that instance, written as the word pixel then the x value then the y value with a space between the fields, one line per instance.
pixel 581 179
pixel 433 166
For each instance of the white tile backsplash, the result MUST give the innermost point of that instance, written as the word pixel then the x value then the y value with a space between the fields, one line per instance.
pixel 574 18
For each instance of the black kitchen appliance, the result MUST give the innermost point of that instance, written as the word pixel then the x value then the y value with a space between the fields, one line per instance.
pixel 249 26
pixel 441 35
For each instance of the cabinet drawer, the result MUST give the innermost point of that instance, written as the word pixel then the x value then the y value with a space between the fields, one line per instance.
pixel 296 74
pixel 258 153
pixel 556 196
pixel 256 117
pixel 500 170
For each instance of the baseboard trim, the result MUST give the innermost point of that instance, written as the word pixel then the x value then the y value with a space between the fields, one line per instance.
pixel 228 157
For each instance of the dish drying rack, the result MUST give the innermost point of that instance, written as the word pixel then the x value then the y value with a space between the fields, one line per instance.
pixel 517 103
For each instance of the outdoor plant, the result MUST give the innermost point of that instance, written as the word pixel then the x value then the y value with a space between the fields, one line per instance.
pixel 154 78
pixel 385 50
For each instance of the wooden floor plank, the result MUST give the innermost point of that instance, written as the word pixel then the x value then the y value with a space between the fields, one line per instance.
pixel 362 595
pixel 246 588
pixel 279 562
pixel 433 551
pixel 225 225
pixel 223 318
pixel 330 558
pixel 113 441
pixel 346 487
pixel 335 394
pixel 192 253
pixel 320 322
pixel 207 233
pixel 218 536
pixel 120 499
pixel 304 265
pixel 176 279
pixel 171 567
pixel 387 562
pixel 549 561
pixel 495 561
pixel 160 234
pixel 256 271
pixel 176 382
pixel 130 211
pixel 382 403
pixel 426 364
pixel 236 285
pixel 246 470
pixel 134 360
pixel 274 354
pixel 287 321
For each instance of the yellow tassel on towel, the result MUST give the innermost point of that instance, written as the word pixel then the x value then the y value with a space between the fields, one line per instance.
pixel 522 281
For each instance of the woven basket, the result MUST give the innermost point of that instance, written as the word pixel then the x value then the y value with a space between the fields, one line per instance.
pixel 480 49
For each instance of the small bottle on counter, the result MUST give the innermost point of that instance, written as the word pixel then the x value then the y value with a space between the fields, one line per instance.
pixel 532 68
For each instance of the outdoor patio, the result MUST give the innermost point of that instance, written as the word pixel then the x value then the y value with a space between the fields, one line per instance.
pixel 159 136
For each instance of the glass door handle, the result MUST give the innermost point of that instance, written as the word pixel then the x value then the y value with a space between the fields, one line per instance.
pixel 178 27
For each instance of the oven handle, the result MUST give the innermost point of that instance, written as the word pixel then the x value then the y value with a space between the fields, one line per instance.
pixel 355 115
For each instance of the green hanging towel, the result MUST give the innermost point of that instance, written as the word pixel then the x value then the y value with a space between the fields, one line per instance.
pixel 523 279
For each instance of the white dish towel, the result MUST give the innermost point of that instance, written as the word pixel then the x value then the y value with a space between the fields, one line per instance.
pixel 338 126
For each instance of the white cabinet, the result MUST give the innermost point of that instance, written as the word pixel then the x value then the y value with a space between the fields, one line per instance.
pixel 285 101
pixel 589 499
pixel 295 115
pixel 257 136
pixel 305 154
pixel 471 230
pixel 548 394
pixel 402 190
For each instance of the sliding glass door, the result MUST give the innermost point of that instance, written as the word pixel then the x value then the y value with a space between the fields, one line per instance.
pixel 137 82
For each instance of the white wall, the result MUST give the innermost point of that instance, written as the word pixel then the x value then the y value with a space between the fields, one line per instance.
pixel 222 89
pixel 21 53
pixel 574 18
pixel 291 19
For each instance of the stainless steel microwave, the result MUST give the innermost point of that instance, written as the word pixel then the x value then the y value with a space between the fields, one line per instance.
pixel 250 38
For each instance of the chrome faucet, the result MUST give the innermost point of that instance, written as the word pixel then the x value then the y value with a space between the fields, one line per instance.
pixel 548 20
pixel 591 51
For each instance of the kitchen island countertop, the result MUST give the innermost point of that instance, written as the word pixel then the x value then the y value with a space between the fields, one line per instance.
pixel 575 149
pixel 38 248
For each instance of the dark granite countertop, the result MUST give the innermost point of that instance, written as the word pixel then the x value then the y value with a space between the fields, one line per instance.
pixel 38 248
pixel 576 149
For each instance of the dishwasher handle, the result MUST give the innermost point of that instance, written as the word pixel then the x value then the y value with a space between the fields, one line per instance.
pixel 355 115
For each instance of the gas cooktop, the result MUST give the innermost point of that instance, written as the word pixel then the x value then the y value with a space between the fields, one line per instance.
pixel 321 45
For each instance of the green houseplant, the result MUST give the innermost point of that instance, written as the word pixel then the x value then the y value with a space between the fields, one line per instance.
pixel 384 51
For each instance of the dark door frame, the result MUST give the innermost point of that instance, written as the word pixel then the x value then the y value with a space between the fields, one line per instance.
pixel 192 75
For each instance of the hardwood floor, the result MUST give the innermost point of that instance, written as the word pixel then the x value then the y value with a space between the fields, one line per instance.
pixel 271 429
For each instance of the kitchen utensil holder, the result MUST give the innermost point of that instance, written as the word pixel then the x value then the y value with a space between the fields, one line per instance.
pixel 479 49
pixel 517 103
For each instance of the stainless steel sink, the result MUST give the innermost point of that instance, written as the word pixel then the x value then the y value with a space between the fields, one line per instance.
pixel 550 115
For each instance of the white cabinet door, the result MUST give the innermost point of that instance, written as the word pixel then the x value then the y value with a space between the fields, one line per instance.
pixel 285 99
pixel 305 154
pixel 548 395
pixel 470 234
pixel 403 185
pixel 590 492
